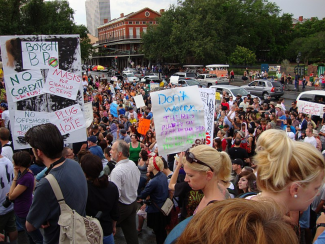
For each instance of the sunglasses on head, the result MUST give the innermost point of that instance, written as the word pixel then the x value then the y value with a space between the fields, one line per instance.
pixel 191 158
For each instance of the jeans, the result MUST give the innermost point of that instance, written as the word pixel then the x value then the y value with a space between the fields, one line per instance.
pixel 34 236
pixel 108 239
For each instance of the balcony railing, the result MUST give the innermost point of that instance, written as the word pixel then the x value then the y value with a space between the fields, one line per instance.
pixel 115 53
pixel 118 38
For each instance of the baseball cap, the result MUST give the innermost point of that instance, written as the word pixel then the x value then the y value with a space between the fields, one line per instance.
pixel 238 161
pixel 92 139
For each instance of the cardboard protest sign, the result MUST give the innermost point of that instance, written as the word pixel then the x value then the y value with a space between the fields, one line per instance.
pixel 40 55
pixel 24 120
pixel 88 113
pixel 208 99
pixel 24 84
pixel 179 119
pixel 144 126
pixel 62 83
pixel 68 119
pixel 310 108
pixel 139 101
pixel 27 63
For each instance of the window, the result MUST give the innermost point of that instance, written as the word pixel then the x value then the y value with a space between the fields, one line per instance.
pixel 137 32
pixel 130 22
pixel 150 22
pixel 320 99
pixel 131 32
pixel 137 22
pixel 147 13
pixel 144 29
pixel 144 22
pixel 307 97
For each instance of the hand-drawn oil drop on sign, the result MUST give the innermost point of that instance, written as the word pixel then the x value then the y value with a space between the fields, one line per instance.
pixel 37 55
pixel 179 119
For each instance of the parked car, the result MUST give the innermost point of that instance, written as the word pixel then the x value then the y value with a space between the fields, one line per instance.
pixel 212 79
pixel 188 82
pixel 138 74
pixel 152 76
pixel 128 70
pixel 233 91
pixel 315 99
pixel 265 88
pixel 185 74
pixel 131 77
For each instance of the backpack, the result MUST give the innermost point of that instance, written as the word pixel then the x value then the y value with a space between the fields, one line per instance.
pixel 75 229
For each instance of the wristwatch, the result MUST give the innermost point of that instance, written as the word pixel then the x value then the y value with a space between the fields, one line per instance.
pixel 320 224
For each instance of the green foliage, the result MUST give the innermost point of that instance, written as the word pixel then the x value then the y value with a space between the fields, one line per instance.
pixel 242 55
pixel 206 31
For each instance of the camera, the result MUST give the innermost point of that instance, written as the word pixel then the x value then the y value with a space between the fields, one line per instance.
pixel 6 203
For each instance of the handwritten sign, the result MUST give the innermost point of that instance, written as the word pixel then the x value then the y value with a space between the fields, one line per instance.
pixel 24 120
pixel 68 119
pixel 62 83
pixel 88 113
pixel 40 55
pixel 310 108
pixel 144 126
pixel 139 101
pixel 208 99
pixel 218 96
pixel 24 84
pixel 179 119
pixel 154 86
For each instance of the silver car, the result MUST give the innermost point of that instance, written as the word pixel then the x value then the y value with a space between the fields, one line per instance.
pixel 265 88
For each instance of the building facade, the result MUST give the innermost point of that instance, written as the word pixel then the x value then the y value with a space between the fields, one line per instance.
pixel 119 40
pixel 98 12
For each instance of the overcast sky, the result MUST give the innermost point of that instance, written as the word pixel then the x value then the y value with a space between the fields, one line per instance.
pixel 306 8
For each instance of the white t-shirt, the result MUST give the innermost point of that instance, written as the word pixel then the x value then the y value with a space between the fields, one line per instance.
pixel 85 83
pixel 6 118
pixel 6 177
pixel 311 140
pixel 7 152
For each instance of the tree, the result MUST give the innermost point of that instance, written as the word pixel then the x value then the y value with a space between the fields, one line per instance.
pixel 242 55
pixel 206 31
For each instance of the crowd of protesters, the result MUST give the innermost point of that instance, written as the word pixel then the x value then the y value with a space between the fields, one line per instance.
pixel 261 152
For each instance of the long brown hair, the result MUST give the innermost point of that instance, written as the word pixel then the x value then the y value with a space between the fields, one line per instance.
pixel 238 221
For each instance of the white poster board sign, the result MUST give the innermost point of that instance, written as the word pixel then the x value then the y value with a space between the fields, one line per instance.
pixel 88 113
pixel 27 63
pixel 62 83
pixel 310 108
pixel 69 119
pixel 208 99
pixel 24 84
pixel 139 101
pixel 40 55
pixel 179 119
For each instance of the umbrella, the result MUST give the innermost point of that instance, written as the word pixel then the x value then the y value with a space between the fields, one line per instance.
pixel 98 67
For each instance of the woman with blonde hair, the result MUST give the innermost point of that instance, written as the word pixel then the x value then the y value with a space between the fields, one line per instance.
pixel 289 172
pixel 238 221
pixel 204 167
pixel 157 190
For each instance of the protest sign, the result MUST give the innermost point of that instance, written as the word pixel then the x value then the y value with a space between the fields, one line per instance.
pixel 27 63
pixel 154 86
pixel 218 96
pixel 40 55
pixel 310 108
pixel 139 101
pixel 179 119
pixel 62 83
pixel 88 113
pixel 68 119
pixel 24 84
pixel 144 126
pixel 208 99
pixel 24 120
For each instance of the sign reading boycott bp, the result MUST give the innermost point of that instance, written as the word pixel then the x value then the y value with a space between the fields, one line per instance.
pixel 43 84
pixel 179 119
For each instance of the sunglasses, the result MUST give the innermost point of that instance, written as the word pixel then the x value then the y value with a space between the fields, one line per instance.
pixel 191 158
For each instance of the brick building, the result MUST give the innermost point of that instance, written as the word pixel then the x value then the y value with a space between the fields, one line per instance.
pixel 119 40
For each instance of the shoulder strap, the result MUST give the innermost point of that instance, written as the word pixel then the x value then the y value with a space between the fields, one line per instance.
pixel 55 187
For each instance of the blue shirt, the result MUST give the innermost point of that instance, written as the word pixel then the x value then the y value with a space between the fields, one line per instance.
pixel 121 111
pixel 320 239
pixel 157 189
pixel 97 150
pixel 177 231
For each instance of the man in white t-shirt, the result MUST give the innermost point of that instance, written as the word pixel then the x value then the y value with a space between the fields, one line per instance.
pixel 310 138
pixel 5 115
pixel 6 144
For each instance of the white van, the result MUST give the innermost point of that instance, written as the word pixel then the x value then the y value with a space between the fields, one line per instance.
pixel 311 102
